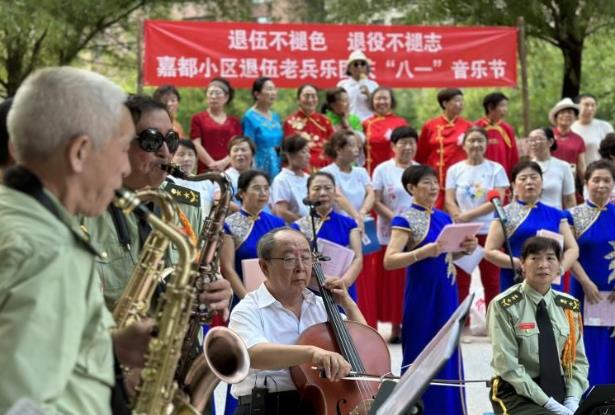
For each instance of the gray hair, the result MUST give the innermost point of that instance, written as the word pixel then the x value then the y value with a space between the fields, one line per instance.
pixel 267 243
pixel 55 105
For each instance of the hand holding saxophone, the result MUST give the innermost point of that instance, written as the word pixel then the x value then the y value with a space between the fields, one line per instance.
pixel 216 295
pixel 130 343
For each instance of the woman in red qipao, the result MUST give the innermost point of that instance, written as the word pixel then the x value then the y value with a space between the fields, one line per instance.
pixel 378 127
pixel 441 139
pixel 315 127
pixel 211 130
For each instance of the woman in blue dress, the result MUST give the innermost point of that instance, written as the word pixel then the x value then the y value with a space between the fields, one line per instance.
pixel 430 297
pixel 264 126
pixel 526 215
pixel 332 226
pixel 242 231
pixel 594 222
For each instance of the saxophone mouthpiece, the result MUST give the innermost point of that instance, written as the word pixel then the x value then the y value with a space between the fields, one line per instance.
pixel 173 170
pixel 129 202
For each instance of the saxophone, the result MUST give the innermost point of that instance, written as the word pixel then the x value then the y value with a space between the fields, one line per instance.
pixel 135 301
pixel 224 356
pixel 157 390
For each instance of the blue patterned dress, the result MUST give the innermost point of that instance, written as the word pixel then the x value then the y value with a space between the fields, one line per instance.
pixel 334 228
pixel 593 229
pixel 430 299
pixel 523 222
pixel 267 135
pixel 246 230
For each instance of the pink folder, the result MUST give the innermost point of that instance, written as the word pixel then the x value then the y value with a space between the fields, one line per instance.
pixel 453 235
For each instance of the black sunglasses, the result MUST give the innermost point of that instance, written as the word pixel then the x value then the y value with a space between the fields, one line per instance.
pixel 356 64
pixel 151 140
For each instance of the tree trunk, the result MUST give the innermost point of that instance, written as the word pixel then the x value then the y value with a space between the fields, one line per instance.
pixel 573 56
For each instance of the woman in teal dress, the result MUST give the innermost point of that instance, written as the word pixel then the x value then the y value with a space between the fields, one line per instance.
pixel 332 226
pixel 593 224
pixel 264 126
pixel 430 297
pixel 525 217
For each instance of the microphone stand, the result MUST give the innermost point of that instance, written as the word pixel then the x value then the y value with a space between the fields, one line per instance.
pixel 517 277
pixel 313 242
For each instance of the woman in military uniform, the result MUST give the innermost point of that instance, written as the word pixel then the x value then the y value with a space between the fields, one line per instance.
pixel 536 334
pixel 593 223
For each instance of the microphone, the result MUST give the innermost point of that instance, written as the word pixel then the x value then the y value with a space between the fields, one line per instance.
pixel 494 197
pixel 308 202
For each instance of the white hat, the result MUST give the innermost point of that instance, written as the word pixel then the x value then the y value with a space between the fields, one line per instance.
pixel 565 103
pixel 357 55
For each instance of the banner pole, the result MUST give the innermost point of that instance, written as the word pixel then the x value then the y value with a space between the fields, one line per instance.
pixel 140 54
pixel 524 83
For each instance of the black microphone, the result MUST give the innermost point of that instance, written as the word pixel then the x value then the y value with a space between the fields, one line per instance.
pixel 308 202
pixel 494 197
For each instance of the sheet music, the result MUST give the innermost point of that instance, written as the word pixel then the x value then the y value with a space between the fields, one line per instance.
pixel 601 314
pixel 468 263
pixel 341 257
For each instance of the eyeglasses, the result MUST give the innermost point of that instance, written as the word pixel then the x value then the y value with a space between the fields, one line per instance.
pixel 356 64
pixel 151 140
pixel 290 262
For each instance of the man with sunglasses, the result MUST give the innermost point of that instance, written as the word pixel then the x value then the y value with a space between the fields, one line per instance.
pixel 119 236
pixel 358 85
pixel 271 319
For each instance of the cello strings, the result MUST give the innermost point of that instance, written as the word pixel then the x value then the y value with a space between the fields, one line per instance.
pixel 345 342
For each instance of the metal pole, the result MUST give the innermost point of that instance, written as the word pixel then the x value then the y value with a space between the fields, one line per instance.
pixel 140 54
pixel 524 86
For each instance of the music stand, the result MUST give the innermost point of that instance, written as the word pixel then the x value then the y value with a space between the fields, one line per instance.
pixel 427 364
pixel 600 400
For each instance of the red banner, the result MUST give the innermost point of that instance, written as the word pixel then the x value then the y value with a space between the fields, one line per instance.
pixel 191 53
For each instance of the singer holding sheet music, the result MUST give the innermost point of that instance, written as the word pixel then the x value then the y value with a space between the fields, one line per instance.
pixel 526 216
pixel 332 226
pixel 593 224
pixel 431 292
pixel 468 184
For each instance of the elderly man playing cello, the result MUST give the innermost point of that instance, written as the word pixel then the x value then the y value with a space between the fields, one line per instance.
pixel 271 319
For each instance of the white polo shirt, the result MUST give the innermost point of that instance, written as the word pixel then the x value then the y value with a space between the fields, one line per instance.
pixel 260 318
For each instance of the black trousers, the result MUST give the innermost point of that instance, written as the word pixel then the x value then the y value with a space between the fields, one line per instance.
pixel 505 400
pixel 281 403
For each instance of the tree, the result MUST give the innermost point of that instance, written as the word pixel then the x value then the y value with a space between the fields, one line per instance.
pixel 51 32
pixel 565 24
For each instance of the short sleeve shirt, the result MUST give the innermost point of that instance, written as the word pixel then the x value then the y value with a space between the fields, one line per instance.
pixel 472 183
pixel 352 185
pixel 290 188
pixel 260 318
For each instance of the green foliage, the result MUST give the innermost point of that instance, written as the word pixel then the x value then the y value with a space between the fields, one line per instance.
pixel 38 33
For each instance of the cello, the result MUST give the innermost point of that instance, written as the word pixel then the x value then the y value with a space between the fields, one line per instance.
pixel 359 344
